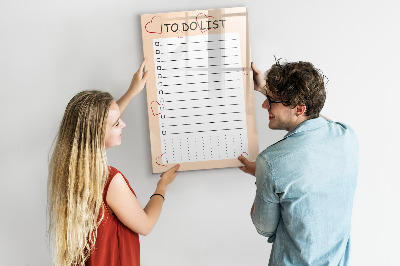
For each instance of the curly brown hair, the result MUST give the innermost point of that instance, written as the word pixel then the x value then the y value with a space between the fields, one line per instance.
pixel 298 83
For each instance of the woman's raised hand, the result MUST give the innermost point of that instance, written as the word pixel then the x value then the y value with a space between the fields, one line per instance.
pixel 137 85
pixel 138 79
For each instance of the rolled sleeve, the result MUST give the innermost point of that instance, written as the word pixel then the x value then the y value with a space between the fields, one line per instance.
pixel 266 212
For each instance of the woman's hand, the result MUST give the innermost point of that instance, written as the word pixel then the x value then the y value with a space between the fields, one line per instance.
pixel 138 79
pixel 137 85
pixel 168 176
pixel 259 82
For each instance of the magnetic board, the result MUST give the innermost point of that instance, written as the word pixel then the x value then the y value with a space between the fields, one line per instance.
pixel 200 93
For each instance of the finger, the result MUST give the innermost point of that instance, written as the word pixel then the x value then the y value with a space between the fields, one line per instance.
pixel 243 160
pixel 145 76
pixel 143 63
pixel 142 66
pixel 244 169
pixel 172 175
pixel 254 68
pixel 175 168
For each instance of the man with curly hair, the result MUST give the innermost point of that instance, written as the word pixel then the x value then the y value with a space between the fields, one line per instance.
pixel 306 181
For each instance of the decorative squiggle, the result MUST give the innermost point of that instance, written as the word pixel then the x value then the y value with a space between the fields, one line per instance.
pixel 161 160
pixel 151 22
pixel 151 107
pixel 198 22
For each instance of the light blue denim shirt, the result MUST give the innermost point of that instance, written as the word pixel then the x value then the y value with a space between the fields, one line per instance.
pixel 305 189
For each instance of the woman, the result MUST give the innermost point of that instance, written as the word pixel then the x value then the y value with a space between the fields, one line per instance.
pixel 95 217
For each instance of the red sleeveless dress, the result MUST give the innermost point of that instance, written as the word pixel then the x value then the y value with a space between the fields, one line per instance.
pixel 116 244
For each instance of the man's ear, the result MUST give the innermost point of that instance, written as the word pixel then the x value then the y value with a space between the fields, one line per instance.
pixel 300 110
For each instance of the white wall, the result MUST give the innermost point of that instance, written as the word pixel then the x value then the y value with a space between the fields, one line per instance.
pixel 49 50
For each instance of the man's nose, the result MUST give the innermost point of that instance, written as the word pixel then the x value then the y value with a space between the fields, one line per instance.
pixel 265 104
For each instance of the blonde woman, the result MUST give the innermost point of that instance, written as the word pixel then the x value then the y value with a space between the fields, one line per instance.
pixel 95 217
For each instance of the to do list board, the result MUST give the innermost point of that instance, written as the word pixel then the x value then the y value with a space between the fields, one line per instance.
pixel 200 75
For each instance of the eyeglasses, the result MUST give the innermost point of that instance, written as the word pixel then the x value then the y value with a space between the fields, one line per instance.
pixel 270 101
pixel 264 91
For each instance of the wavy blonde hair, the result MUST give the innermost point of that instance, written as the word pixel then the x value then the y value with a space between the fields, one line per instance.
pixel 78 171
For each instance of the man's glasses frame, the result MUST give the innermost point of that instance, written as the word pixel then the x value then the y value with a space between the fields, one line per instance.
pixel 271 101
pixel 264 91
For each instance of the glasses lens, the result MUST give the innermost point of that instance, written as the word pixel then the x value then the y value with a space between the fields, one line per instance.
pixel 269 101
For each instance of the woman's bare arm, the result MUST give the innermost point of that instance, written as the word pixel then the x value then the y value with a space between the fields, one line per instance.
pixel 127 208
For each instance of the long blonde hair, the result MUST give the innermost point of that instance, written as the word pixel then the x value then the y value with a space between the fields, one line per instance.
pixel 78 171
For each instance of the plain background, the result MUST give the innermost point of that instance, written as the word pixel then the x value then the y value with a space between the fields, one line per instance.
pixel 50 50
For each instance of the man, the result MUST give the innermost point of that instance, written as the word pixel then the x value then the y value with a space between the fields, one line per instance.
pixel 306 181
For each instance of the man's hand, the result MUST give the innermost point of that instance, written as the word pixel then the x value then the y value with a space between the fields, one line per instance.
pixel 259 82
pixel 249 167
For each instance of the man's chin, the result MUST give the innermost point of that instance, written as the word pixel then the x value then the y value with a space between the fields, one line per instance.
pixel 271 125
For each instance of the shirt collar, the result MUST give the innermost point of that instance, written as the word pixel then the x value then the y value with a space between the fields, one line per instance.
pixel 307 125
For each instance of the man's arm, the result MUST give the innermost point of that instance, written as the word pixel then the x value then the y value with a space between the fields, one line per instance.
pixel 265 212
pixel 265 217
